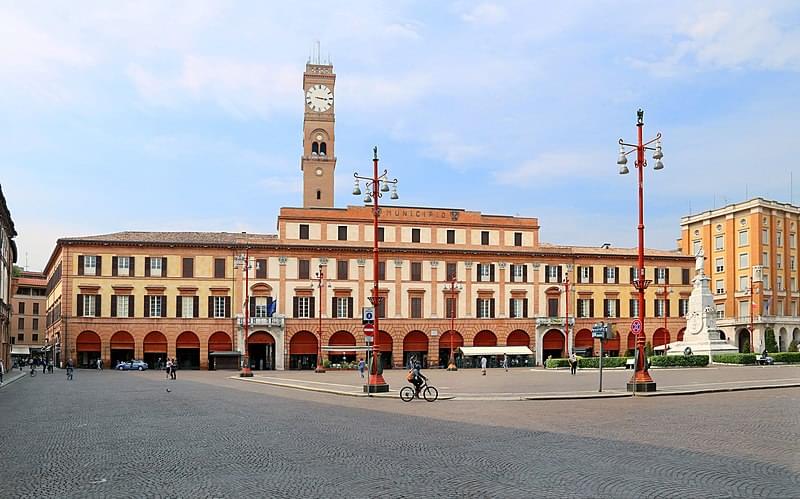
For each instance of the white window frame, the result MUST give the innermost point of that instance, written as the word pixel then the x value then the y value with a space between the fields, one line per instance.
pixel 518 308
pixel 187 307
pixel 303 307
pixel 584 308
pixel 719 265
pixel 661 275
pixel 611 274
pixel 261 307
pixel 89 265
pixel 155 267
pixel 765 259
pixel 791 263
pixel 792 240
pixel 484 308
pixel 683 307
pixel 779 261
pixel 219 307
pixel 720 308
pixel 123 305
pixel 635 308
pixel 719 243
pixel 486 272
pixel 155 305
pixel 779 238
pixel 584 277
pixel 742 238
pixel 517 272
pixel 793 284
pixel 744 260
pixel 719 286
pixel 612 308
pixel 341 307
pixel 744 283
pixel 89 304
pixel 553 272
pixel 765 236
pixel 123 265
pixel 780 283
pixel 744 308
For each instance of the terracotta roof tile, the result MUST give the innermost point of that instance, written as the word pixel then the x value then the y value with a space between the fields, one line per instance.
pixel 176 238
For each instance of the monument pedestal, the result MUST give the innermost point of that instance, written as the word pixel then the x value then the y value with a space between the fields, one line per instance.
pixel 641 386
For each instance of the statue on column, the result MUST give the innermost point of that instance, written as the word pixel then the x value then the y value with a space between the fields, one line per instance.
pixel 699 260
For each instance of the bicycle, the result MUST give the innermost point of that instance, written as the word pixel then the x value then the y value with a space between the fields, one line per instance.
pixel 429 393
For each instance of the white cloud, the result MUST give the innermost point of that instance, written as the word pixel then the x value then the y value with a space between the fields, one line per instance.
pixel 486 14
pixel 289 184
pixel 452 148
pixel 548 167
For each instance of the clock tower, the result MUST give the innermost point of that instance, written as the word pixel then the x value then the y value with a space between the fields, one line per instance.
pixel 319 159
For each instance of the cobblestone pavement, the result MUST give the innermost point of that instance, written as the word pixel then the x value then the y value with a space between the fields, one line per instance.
pixel 122 434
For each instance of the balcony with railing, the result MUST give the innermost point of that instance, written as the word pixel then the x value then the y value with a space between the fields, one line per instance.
pixel 274 321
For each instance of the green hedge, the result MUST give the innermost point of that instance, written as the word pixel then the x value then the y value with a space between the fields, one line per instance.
pixel 554 363
pixel 679 360
pixel 790 357
pixel 594 362
pixel 735 358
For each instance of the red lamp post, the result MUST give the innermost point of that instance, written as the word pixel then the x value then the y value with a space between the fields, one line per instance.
pixel 377 184
pixel 454 288
pixel 320 277
pixel 641 380
pixel 753 284
pixel 566 311
pixel 246 372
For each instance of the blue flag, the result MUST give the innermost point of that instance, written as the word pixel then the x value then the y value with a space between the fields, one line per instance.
pixel 272 307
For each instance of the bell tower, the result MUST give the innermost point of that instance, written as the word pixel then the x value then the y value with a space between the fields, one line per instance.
pixel 319 159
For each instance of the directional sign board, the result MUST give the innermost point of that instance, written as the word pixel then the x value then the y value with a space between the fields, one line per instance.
pixel 369 329
pixel 368 315
pixel 636 326
pixel 599 330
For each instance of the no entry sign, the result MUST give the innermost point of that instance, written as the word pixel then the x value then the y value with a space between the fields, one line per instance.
pixel 369 329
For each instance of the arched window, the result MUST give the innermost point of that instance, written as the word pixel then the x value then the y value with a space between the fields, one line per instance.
pixel 323 149
pixel 319 194
pixel 315 148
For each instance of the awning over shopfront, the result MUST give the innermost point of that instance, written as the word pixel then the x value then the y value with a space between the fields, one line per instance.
pixel 225 354
pixel 15 350
pixel 476 351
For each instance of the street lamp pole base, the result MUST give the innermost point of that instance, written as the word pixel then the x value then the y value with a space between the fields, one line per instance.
pixel 319 369
pixel 452 367
pixel 641 386
pixel 246 373
pixel 382 388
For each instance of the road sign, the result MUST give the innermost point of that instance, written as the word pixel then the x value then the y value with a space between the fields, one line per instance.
pixel 636 326
pixel 369 329
pixel 368 315
pixel 599 330
pixel 368 340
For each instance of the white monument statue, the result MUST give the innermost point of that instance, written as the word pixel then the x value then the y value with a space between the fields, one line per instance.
pixel 701 336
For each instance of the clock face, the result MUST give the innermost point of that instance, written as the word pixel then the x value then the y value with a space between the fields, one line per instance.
pixel 318 171
pixel 319 98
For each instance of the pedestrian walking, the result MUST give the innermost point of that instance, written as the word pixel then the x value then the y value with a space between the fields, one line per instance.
pixel 70 369
pixel 483 366
pixel 361 366
pixel 505 362
pixel 2 370
pixel 44 367
pixel 168 367
pixel 573 363
pixel 174 369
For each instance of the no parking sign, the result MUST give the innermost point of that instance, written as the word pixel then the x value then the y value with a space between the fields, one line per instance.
pixel 636 326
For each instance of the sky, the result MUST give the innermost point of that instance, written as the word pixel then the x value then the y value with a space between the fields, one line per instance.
pixel 187 115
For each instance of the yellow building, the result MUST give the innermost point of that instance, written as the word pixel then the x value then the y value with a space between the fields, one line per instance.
pixel 753 239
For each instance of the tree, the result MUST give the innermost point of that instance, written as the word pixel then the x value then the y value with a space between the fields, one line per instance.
pixel 745 348
pixel 793 346
pixel 769 341
pixel 16 271
pixel 648 349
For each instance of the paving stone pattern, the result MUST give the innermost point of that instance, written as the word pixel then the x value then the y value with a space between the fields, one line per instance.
pixel 123 435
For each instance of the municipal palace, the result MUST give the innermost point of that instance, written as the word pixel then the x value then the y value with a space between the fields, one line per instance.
pixel 185 295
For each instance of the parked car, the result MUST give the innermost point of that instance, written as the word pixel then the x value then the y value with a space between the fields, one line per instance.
pixel 132 365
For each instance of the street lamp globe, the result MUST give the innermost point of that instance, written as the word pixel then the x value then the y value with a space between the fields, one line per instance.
pixel 623 159
pixel 384 187
pixel 394 192
pixel 356 189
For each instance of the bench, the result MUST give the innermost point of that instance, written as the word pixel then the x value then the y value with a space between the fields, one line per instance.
pixel 629 364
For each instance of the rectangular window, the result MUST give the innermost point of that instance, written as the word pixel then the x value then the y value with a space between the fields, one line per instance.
pixel 450 305
pixel 380 308
pixel 764 236
pixel 743 261
pixel 416 307
pixel 188 267
pixel 584 304
pixel 659 307
pixel 683 307
pixel 35 337
pixel 518 239
pixel 21 308
pixel 743 283
pixel 685 276
pixel 779 241
pixel 35 309
pixel 381 271
pixel 451 236
pixel 484 308
pixel 517 272
pixel 89 304
pixel 304 307
pixel 89 265
pixel 792 241
pixel 486 272
pixel 485 237
pixel 452 269
pixel 611 274
pixel 342 233
pixel 123 306
pixel 661 275
pixel 20 323
pixel 303 231
pixel 793 283
pixel 634 306
pixel 155 306
pixel 303 269
pixel 341 307
pixel 517 308
pixel 791 263
pixel 719 286
pixel 416 271
pixel 719 264
pixel 719 243
pixel 765 259
pixel 744 307
pixel 415 235
pixel 20 337
pixel 342 270
pixel 552 273
pixel 155 267
pixel 585 275
pixel 743 238
pixel 720 310
pixel 123 265
pixel 219 307
pixel 780 283
pixel 219 268
pixel 779 261
pixel 381 234
pixel 611 308
pixel 261 268
pixel 552 307
pixel 187 307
